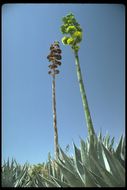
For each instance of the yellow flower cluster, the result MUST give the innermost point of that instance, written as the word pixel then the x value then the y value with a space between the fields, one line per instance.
pixel 73 30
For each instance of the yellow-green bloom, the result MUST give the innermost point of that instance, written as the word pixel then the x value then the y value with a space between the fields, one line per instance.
pixel 70 41
pixel 64 40
pixel 69 21
pixel 66 25
pixel 77 34
pixel 71 29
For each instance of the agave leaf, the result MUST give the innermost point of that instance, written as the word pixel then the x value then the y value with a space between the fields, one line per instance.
pixel 48 182
pixel 109 178
pixel 99 180
pixel 53 171
pixel 56 182
pixel 8 163
pixel 50 169
pixel 100 156
pixel 107 166
pixel 123 147
pixel 7 175
pixel 119 147
pixel 40 184
pixel 84 155
pixel 93 152
pixel 40 181
pixel 26 184
pixel 121 170
pixel 85 175
pixel 18 182
pixel 13 175
pixel 100 136
pixel 103 140
pixel 80 169
pixel 119 151
pixel 83 172
pixel 77 153
pixel 107 139
pixel 111 145
pixel 61 183
pixel 90 181
pixel 116 168
pixel 72 180
pixel 67 161
pixel 31 183
pixel 12 164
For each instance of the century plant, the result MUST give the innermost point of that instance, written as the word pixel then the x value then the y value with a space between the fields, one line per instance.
pixel 73 36
pixel 100 165
pixel 14 175
pixel 54 57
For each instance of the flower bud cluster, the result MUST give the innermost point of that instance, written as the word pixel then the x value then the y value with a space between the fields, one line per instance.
pixel 54 57
pixel 73 31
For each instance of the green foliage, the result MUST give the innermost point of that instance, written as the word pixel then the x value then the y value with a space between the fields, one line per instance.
pixel 14 175
pixel 95 164
pixel 71 28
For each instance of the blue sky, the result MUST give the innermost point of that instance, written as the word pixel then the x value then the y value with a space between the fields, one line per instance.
pixel 27 33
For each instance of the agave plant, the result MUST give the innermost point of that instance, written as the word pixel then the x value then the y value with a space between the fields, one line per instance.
pixel 14 175
pixel 54 57
pixel 93 165
pixel 73 36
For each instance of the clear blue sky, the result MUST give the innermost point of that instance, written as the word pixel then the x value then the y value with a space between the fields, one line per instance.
pixel 27 33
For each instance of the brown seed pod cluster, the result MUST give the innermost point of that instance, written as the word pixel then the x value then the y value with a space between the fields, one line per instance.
pixel 54 57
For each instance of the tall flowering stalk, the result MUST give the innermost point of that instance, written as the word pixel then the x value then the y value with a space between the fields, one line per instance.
pixel 54 57
pixel 73 31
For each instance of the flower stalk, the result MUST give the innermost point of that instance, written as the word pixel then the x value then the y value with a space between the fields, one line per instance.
pixel 73 37
pixel 84 98
pixel 54 57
